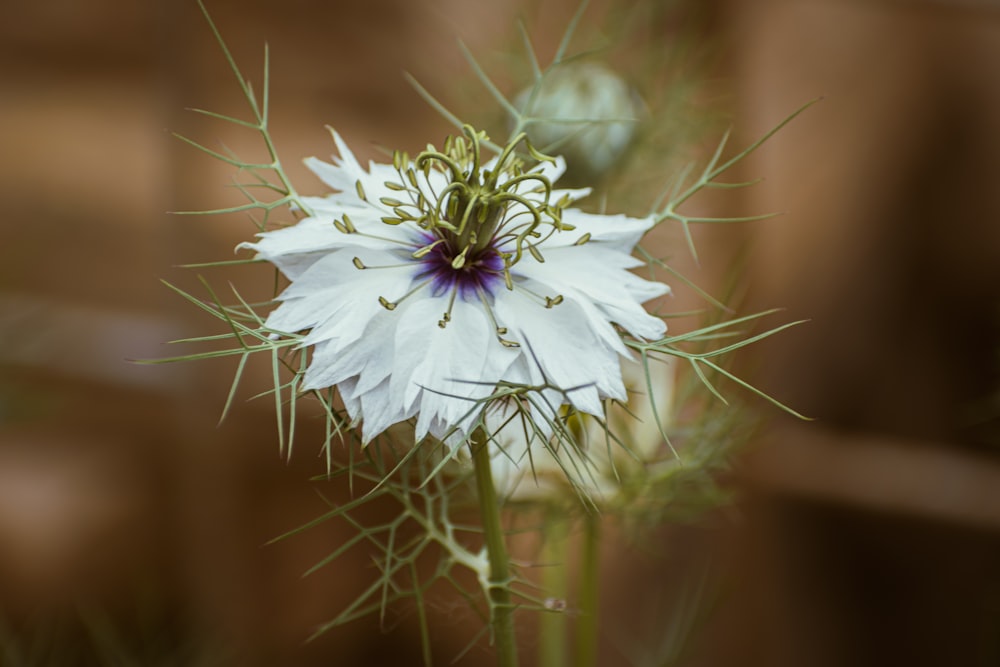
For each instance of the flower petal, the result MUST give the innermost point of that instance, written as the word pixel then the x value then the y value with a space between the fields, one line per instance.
pixel 592 275
pixel 562 343
pixel 446 369
pixel 335 299
pixel 619 231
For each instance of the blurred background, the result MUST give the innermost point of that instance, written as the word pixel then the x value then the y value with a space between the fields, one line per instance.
pixel 134 528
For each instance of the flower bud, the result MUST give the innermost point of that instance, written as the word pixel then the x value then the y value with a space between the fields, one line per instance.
pixel 584 112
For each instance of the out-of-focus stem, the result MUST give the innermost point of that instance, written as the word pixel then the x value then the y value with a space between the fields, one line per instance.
pixel 586 629
pixel 552 625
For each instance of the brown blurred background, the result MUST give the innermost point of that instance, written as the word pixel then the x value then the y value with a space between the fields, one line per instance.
pixel 131 524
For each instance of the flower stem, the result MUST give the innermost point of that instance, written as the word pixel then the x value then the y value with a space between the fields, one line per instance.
pixel 496 550
pixel 586 630
pixel 552 625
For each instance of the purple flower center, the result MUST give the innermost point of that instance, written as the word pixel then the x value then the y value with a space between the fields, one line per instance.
pixel 482 271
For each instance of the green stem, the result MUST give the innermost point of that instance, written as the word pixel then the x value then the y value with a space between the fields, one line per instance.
pixel 425 633
pixel 586 629
pixel 496 549
pixel 552 625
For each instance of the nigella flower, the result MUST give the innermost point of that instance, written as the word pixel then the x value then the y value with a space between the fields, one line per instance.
pixel 424 284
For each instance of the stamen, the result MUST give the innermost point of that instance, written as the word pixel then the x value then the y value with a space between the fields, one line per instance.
pixel 407 244
pixel 403 215
pixel 548 301
pixel 583 239
pixel 459 260
pixel 361 190
pixel 426 250
pixel 391 305
pixel 500 331
pixel 557 222
pixel 361 266
pixel 443 322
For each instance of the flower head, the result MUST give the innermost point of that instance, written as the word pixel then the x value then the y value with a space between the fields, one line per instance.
pixel 426 283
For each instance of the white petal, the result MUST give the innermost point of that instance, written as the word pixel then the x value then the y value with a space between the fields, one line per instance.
pixel 619 231
pixel 591 275
pixel 368 356
pixel 448 368
pixel 380 412
pixel 568 352
pixel 337 300
pixel 344 173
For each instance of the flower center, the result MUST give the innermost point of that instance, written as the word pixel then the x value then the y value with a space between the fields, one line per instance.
pixel 474 224
pixel 472 274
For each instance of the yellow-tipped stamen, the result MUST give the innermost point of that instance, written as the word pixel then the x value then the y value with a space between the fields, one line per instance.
pixel 500 331
pixel 391 305
pixel 443 322
pixel 536 253
pixel 546 301
pixel 423 251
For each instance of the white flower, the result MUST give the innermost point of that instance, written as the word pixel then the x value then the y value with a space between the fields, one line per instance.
pixel 424 284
